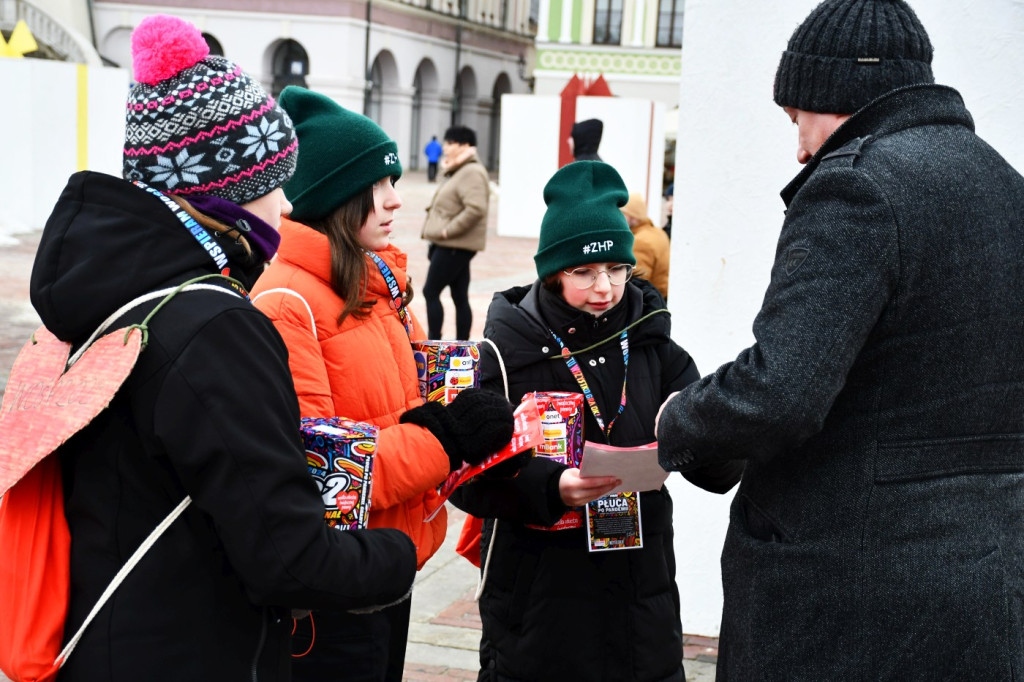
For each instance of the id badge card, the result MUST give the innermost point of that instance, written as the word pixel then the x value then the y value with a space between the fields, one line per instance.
pixel 613 522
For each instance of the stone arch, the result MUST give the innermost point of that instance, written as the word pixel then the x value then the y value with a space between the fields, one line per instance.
pixel 424 119
pixel 216 49
pixel 502 86
pixel 116 47
pixel 383 79
pixel 289 64
pixel 465 95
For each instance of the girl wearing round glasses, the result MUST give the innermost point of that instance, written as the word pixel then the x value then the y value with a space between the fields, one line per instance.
pixel 552 609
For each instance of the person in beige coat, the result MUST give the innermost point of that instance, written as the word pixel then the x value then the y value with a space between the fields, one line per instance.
pixel 456 227
pixel 650 244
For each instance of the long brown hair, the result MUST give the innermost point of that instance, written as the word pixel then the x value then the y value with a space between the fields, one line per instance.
pixel 348 263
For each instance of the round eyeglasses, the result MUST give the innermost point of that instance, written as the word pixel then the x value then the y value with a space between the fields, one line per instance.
pixel 584 278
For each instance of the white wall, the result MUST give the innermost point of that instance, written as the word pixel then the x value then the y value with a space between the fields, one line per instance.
pixel 736 150
pixel 527 163
pixel 633 142
pixel 47 147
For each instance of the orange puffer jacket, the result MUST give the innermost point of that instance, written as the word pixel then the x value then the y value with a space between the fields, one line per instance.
pixel 362 370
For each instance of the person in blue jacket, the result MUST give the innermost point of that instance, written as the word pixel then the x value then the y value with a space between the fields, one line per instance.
pixel 433 152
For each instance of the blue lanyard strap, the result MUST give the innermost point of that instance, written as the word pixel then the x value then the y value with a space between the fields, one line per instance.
pixel 202 236
pixel 577 373
pixel 396 293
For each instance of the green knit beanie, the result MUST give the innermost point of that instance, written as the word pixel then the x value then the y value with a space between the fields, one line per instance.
pixel 341 153
pixel 583 223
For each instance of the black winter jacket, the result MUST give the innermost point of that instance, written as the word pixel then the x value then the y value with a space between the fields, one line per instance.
pixel 209 411
pixel 551 610
pixel 878 533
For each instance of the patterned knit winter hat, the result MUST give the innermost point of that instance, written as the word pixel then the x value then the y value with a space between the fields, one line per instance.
pixel 848 52
pixel 198 124
pixel 583 223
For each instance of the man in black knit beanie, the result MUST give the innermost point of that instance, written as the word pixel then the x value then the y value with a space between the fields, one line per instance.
pixel 878 531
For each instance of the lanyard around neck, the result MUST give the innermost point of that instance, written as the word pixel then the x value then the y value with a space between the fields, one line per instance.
pixel 393 289
pixel 577 373
pixel 200 233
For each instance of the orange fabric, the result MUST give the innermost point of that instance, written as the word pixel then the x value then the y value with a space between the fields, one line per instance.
pixel 651 248
pixel 469 539
pixel 363 370
pixel 35 574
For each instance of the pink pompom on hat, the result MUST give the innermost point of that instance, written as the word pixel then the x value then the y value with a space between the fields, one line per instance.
pixel 199 125
pixel 162 46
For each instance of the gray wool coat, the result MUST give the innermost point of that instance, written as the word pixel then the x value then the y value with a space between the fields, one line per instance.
pixel 878 531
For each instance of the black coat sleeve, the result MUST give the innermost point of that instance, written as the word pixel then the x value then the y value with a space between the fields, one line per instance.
pixel 531 496
pixel 814 321
pixel 678 371
pixel 227 417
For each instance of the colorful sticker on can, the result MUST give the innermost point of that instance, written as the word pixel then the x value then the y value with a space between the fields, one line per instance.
pixel 446 367
pixel 562 439
pixel 561 425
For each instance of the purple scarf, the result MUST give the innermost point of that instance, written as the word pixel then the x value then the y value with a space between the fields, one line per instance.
pixel 263 238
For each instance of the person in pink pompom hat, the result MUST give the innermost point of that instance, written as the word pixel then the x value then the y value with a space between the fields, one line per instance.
pixel 209 411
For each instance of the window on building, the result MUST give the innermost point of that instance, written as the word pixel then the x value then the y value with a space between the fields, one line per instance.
pixel 291 65
pixel 214 45
pixel 670 23
pixel 373 104
pixel 608 22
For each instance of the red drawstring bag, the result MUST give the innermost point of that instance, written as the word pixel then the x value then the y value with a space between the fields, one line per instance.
pixel 44 404
pixel 35 574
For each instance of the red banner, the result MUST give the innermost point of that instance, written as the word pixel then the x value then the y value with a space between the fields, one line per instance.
pixel 525 435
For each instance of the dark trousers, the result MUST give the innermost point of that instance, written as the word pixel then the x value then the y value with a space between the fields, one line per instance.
pixel 448 268
pixel 431 170
pixel 355 648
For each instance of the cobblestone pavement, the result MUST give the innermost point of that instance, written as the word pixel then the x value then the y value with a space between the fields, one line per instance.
pixel 445 629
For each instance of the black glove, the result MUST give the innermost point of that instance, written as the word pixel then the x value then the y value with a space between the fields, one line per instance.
pixel 475 425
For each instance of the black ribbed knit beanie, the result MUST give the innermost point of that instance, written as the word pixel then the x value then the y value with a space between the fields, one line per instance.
pixel 848 52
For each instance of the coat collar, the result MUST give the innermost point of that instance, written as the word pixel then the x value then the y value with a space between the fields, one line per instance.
pixel 899 109
pixel 467 157
pixel 533 303
pixel 308 249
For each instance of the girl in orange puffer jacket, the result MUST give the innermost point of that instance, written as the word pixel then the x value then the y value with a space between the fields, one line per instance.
pixel 336 293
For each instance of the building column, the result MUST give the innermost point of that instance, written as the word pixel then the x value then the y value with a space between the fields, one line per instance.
pixel 639 25
pixel 566 34
pixel 542 21
pixel 396 118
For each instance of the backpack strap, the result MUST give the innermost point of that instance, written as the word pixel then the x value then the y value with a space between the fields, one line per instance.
pixel 115 582
pixel 291 292
pixel 166 294
pixel 121 575
pixel 494 526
